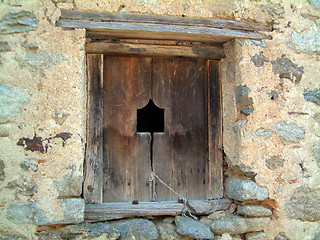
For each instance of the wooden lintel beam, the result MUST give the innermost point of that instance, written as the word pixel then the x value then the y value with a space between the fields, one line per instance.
pixel 209 52
pixel 144 18
pixel 160 28
pixel 108 211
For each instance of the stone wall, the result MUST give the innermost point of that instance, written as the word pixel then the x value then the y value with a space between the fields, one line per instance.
pixel 271 112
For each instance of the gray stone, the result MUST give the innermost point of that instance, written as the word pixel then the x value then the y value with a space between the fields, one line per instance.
pixel 12 102
pixel 312 96
pixel 254 211
pixel 192 228
pixel 259 60
pixel 254 235
pixel 315 3
pixel 29 45
pixel 266 133
pixel 247 111
pixel 73 209
pixel 248 42
pixel 94 230
pixel 26 213
pixel 274 94
pixel 217 215
pixel 12 237
pixel 25 188
pixel 50 236
pixel 290 132
pixel 274 162
pixel 167 232
pixel 4 46
pixel 44 59
pixel 26 166
pixel 242 91
pixel 4 131
pixel 281 236
pixel 316 152
pixel 239 127
pixel 242 190
pixel 238 225
pixel 70 186
pixel 2 173
pixel 304 204
pixel 15 22
pixel 307 40
pixel 285 68
pixel 317 236
pixel 137 229
pixel 316 117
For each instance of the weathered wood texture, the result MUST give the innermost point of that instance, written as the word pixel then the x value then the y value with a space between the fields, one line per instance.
pixel 92 187
pixel 133 17
pixel 215 186
pixel 197 51
pixel 108 211
pixel 127 84
pixel 169 32
pixel 180 154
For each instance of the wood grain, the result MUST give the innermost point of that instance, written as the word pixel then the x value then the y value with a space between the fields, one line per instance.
pixel 161 28
pixel 92 187
pixel 126 154
pixel 108 211
pixel 133 17
pixel 215 186
pixel 180 154
pixel 210 52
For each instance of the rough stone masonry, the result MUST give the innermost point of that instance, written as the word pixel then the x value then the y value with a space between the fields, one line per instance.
pixel 271 123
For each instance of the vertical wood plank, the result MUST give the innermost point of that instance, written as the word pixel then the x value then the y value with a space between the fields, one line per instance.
pixel 215 187
pixel 92 187
pixel 180 154
pixel 127 167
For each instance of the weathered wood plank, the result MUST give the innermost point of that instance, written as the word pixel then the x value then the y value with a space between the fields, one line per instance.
pixel 133 17
pixel 92 187
pixel 180 154
pixel 108 211
pixel 215 162
pixel 127 166
pixel 162 28
pixel 159 50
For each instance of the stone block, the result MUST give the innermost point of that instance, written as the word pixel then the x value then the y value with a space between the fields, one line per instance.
pixel 290 132
pixel 4 46
pixel 137 229
pixel 262 132
pixel 193 229
pixel 259 60
pixel 102 230
pixel 315 3
pixel 254 235
pixel 316 152
pixel 254 211
pixel 304 204
pixel 274 162
pixel 167 232
pixel 2 173
pixel 27 165
pixel 73 210
pixel 312 96
pixel 285 68
pixel 242 190
pixel 238 225
pixel 12 102
pixel 15 22
pixel 307 40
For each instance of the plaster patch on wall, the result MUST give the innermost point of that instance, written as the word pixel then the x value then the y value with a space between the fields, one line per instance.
pixel 12 102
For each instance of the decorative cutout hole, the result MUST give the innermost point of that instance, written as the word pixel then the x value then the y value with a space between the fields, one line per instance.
pixel 150 118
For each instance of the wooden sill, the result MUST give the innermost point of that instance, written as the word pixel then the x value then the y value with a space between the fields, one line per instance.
pixel 110 211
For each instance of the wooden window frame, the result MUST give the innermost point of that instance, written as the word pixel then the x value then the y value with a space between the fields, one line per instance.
pixel 148 35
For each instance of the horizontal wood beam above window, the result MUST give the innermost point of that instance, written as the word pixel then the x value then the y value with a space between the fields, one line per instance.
pixel 197 51
pixel 169 20
pixel 109 211
pixel 138 26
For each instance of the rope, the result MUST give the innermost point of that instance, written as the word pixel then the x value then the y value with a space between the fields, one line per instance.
pixel 153 195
